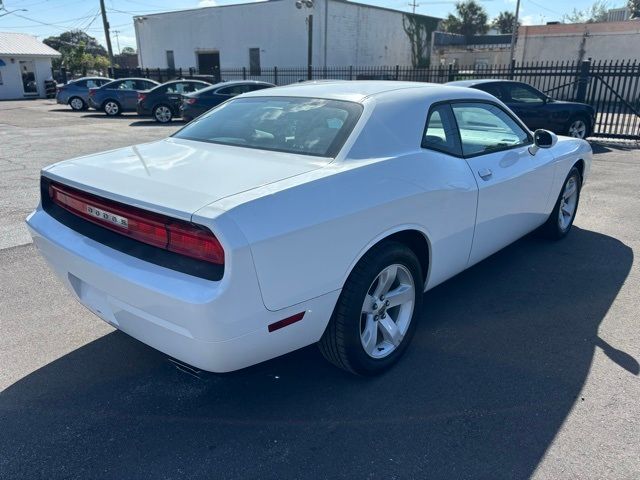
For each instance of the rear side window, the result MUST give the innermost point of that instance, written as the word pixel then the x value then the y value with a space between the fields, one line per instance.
pixel 82 84
pixel 440 132
pixel 485 128
pixel 493 89
pixel 233 90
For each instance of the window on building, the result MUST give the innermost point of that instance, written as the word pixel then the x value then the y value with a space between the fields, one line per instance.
pixel 254 61
pixel 171 63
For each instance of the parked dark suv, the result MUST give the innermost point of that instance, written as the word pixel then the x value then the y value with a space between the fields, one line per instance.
pixel 195 104
pixel 536 109
pixel 164 101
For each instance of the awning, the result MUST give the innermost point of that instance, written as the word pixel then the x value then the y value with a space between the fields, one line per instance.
pixel 2 64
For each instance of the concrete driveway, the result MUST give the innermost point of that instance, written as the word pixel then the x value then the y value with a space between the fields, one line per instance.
pixel 524 366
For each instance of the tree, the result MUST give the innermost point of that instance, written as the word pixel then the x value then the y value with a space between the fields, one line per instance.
pixel 128 51
pixel 470 19
pixel 504 22
pixel 634 8
pixel 419 30
pixel 597 12
pixel 79 51
pixel 73 38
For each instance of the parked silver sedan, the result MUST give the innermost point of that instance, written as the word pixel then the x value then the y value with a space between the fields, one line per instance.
pixel 76 92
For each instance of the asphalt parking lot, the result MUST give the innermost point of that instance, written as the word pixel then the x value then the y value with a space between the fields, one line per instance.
pixel 524 366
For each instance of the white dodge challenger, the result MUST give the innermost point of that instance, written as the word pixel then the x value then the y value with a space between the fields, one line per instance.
pixel 318 212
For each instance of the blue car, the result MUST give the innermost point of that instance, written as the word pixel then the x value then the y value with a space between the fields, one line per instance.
pixel 76 92
pixel 120 95
pixel 536 109
pixel 195 104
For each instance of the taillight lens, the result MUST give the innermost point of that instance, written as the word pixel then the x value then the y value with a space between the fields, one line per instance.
pixel 174 235
pixel 141 97
pixel 92 92
pixel 190 101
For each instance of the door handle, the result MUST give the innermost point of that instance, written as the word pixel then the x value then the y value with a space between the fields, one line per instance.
pixel 485 173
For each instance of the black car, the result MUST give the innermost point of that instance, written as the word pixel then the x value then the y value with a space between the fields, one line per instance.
pixel 536 109
pixel 164 101
pixel 199 102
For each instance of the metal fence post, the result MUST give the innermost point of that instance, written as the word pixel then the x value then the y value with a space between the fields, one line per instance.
pixel 512 70
pixel 583 80
pixel 275 75
pixel 350 72
pixel 309 72
pixel 397 72
pixel 450 75
pixel 244 73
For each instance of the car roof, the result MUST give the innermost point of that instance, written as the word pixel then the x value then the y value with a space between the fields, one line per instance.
pixel 478 81
pixel 355 90
pixel 180 80
pixel 215 86
pixel 91 78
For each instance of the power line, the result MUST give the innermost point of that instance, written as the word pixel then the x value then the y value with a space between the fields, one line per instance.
pixel 414 4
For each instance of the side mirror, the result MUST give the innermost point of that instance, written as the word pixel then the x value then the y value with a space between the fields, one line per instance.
pixel 542 139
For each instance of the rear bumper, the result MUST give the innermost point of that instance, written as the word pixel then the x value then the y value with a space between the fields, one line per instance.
pixel 216 326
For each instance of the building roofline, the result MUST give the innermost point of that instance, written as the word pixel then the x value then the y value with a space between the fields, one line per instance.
pixel 261 2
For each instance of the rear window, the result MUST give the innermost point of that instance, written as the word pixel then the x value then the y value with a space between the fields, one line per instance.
pixel 307 126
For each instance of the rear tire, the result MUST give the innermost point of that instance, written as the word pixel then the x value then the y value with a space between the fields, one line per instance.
pixel 112 108
pixel 377 312
pixel 578 127
pixel 559 223
pixel 162 113
pixel 77 104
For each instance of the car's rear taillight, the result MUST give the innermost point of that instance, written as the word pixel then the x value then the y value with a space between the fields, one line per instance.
pixel 92 92
pixel 170 234
pixel 190 101
pixel 141 96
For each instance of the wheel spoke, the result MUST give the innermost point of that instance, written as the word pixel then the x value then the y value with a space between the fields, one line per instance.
pixel 569 191
pixel 399 295
pixel 385 280
pixel 369 336
pixel 390 330
pixel 566 210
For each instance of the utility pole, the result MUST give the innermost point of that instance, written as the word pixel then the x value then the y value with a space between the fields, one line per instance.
pixel 414 4
pixel 514 32
pixel 105 24
pixel 310 40
pixel 116 32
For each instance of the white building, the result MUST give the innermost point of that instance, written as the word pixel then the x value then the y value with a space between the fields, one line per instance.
pixel 25 63
pixel 274 33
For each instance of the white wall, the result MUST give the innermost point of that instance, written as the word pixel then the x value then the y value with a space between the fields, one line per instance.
pixel 11 87
pixel 358 35
pixel 579 41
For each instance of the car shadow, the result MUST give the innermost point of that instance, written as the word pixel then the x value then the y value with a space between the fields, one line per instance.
pixel 153 123
pixel 498 361
pixel 122 116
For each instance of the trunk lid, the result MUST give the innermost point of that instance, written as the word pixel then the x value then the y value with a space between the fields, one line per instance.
pixel 177 177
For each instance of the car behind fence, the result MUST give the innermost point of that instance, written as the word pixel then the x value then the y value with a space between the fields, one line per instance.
pixel 611 87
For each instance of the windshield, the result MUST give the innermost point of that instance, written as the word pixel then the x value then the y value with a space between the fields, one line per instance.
pixel 308 126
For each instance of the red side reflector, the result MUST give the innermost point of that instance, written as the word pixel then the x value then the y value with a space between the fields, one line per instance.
pixel 151 228
pixel 190 101
pixel 286 322
pixel 141 96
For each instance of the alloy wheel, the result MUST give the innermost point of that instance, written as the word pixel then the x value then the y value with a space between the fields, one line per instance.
pixel 112 108
pixel 387 311
pixel 76 103
pixel 568 203
pixel 163 114
pixel 578 129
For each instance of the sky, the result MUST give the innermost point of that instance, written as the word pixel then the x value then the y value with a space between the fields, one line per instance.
pixel 52 17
